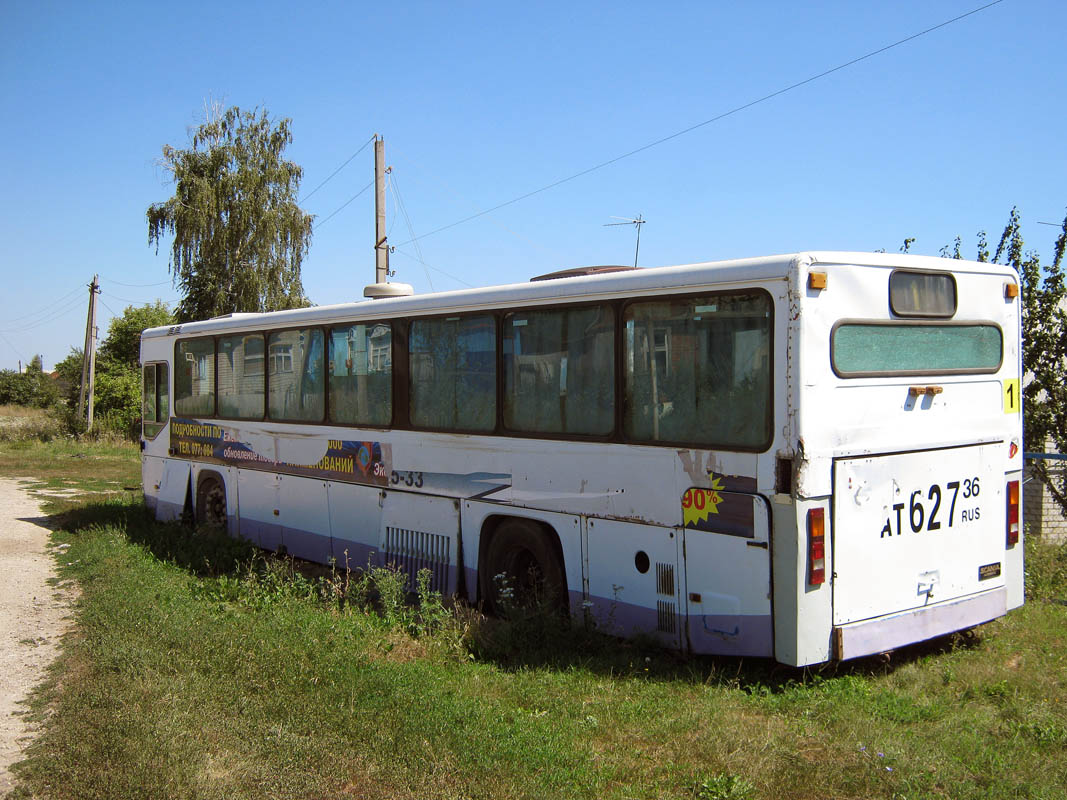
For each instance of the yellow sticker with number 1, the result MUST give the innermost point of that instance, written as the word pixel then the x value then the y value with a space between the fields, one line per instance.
pixel 1012 401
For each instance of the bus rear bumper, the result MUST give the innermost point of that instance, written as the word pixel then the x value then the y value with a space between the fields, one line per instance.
pixel 917 625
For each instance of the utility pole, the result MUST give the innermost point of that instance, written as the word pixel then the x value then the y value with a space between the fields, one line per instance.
pixel 89 355
pixel 381 246
pixel 381 286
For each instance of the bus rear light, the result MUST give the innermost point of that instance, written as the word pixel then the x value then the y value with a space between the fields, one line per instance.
pixel 1013 513
pixel 816 546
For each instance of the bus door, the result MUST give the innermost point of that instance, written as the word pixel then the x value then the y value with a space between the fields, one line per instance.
pixel 726 552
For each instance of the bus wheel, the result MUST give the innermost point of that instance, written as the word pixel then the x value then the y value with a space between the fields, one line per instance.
pixel 522 570
pixel 211 503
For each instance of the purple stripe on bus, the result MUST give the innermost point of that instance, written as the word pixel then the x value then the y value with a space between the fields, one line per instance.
pixel 307 545
pixel 267 535
pixel 349 554
pixel 719 634
pixel 470 577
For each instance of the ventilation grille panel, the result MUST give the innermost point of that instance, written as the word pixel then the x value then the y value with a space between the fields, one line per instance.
pixel 412 551
pixel 665 579
pixel 665 617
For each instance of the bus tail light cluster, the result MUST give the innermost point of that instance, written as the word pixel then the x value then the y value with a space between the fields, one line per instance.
pixel 816 546
pixel 1013 513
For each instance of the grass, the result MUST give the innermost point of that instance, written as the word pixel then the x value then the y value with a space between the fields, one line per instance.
pixel 201 668
pixel 21 422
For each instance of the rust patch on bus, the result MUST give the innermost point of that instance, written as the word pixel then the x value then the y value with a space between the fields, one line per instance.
pixel 708 473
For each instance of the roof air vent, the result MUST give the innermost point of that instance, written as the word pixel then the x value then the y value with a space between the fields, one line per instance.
pixel 578 272
pixel 376 291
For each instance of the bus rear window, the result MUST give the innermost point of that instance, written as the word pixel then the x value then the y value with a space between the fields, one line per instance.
pixel 878 348
pixel 922 294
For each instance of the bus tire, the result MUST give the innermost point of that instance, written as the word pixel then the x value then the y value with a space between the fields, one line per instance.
pixel 522 570
pixel 211 503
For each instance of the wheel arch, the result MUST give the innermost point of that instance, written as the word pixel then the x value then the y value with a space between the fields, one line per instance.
pixel 488 529
pixel 203 476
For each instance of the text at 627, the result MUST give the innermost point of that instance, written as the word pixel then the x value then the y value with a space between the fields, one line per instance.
pixel 922 510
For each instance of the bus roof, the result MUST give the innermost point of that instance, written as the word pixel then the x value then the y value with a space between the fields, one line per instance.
pixel 602 285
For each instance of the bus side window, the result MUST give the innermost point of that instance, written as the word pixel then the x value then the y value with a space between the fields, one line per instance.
pixel 155 401
pixel 148 413
pixel 698 370
pixel 194 377
pixel 295 379
pixel 162 394
pixel 452 372
pixel 240 367
pixel 559 371
pixel 360 365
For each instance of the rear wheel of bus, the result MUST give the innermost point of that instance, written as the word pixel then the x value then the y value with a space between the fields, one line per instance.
pixel 522 570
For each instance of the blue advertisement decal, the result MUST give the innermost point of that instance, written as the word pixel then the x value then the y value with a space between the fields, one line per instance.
pixel 339 459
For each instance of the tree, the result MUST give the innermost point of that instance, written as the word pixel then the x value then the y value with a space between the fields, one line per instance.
pixel 117 396
pixel 123 342
pixel 69 372
pixel 1044 333
pixel 239 235
pixel 30 388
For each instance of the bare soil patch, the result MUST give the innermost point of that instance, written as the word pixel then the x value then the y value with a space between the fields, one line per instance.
pixel 33 616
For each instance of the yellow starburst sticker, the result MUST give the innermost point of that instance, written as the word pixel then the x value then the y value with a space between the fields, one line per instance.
pixel 698 504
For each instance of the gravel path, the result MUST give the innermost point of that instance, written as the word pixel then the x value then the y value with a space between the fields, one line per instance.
pixel 33 616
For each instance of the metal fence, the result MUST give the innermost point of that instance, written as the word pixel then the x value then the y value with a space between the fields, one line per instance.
pixel 1042 514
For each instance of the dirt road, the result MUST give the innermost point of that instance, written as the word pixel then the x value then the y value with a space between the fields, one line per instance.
pixel 32 616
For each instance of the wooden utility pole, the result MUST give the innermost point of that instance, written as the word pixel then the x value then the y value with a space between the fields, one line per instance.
pixel 89 355
pixel 381 246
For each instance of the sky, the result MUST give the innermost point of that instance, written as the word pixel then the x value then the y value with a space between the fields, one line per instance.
pixel 480 103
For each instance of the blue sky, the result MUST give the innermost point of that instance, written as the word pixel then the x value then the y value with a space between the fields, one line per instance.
pixel 480 102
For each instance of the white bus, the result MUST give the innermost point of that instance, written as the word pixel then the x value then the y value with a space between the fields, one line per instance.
pixel 807 457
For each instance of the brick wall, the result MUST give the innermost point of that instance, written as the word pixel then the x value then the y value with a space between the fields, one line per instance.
pixel 1043 516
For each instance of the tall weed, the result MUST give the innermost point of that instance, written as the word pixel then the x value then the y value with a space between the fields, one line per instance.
pixel 1046 570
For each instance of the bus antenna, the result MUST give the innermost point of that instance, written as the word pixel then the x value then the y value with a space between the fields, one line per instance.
pixel 637 223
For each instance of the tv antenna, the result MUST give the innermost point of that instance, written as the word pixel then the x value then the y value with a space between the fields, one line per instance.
pixel 637 223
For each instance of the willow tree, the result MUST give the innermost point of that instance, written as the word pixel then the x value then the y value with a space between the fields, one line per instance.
pixel 239 235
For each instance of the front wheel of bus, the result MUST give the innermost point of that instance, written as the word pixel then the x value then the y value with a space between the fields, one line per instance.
pixel 211 503
pixel 522 571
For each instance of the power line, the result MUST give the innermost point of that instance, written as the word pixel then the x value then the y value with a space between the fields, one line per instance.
pixel 336 211
pixel 114 313
pixel 716 118
pixel 47 309
pixel 15 350
pixel 360 150
pixel 411 230
pixel 54 314
pixel 435 269
pixel 459 196
pixel 135 302
pixel 134 285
